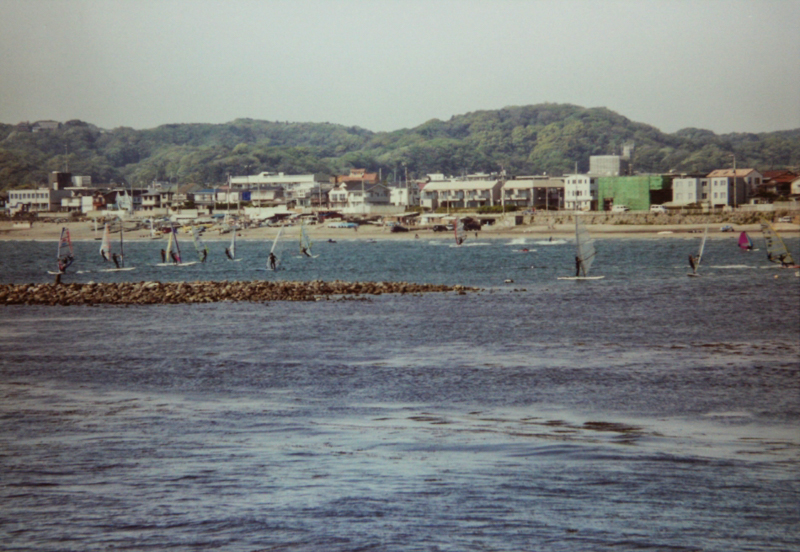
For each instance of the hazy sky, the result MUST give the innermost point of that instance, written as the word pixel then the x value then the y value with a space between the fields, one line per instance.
pixel 390 64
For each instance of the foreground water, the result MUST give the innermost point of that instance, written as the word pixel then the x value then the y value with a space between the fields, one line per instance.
pixel 645 411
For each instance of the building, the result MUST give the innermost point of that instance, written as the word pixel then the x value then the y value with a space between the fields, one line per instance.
pixel 534 192
pixel 727 188
pixel 777 183
pixel 689 190
pixel 795 189
pixel 357 197
pixel 404 196
pixel 32 201
pixel 608 165
pixel 470 192
pixel 636 192
pixel 580 192
pixel 299 190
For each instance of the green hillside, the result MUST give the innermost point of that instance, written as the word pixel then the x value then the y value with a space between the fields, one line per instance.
pixel 545 138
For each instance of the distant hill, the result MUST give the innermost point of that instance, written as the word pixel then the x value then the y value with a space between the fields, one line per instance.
pixel 545 138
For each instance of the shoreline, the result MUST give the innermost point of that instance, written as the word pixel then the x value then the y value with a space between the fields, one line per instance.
pixel 82 231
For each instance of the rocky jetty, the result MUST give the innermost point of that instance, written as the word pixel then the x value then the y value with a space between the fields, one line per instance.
pixel 160 293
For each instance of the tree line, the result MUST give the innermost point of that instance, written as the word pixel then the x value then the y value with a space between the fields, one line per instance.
pixel 527 140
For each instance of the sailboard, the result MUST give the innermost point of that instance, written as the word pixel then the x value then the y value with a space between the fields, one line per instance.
pixel 173 243
pixel 108 255
pixel 459 233
pixel 694 262
pixel 777 252
pixel 745 243
pixel 199 245
pixel 585 253
pixel 273 252
pixel 64 255
pixel 305 243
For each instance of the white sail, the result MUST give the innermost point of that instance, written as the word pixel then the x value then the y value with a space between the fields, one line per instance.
pixel 105 244
pixel 585 246
pixel 777 252
pixel 460 233
pixel 702 247
pixel 199 245
pixel 121 244
pixel 305 243
pixel 168 257
pixel 232 248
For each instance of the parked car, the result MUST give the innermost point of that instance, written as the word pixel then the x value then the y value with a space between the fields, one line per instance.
pixel 785 219
pixel 726 228
pixel 658 209
pixel 619 209
pixel 439 228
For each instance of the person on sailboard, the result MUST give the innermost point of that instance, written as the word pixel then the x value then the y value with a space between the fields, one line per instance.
pixel 115 258
pixel 174 257
pixel 577 266
pixel 692 263
pixel 205 255
pixel 273 261
pixel 163 256
pixel 103 254
pixel 228 253
pixel 305 252
pixel 64 262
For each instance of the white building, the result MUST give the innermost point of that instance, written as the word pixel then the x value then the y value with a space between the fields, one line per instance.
pixel 580 192
pixel 608 165
pixel 460 193
pixel 35 201
pixel 404 196
pixel 355 197
pixel 689 189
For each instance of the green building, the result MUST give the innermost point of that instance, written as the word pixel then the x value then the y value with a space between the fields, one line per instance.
pixel 635 192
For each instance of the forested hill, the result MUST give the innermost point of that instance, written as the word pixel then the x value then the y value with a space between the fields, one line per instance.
pixel 546 138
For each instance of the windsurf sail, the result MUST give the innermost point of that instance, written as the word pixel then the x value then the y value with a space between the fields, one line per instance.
pixel 199 244
pixel 777 251
pixel 64 255
pixel 585 251
pixel 232 247
pixel 121 244
pixel 694 262
pixel 745 242
pixel 458 230
pixel 105 244
pixel 305 242
pixel 173 243
pixel 177 247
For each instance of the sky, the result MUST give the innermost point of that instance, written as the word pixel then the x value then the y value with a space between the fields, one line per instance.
pixel 383 65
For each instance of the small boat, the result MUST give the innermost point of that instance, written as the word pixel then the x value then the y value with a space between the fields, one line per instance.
pixel 107 254
pixel 584 253
pixel 745 243
pixel 459 232
pixel 64 254
pixel 694 261
pixel 273 261
pixel 175 256
pixel 777 252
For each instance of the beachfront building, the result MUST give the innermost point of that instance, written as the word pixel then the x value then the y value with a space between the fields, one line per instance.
pixel 404 196
pixel 732 189
pixel 34 200
pixel 298 190
pixel 580 192
pixel 358 197
pixel 689 189
pixel 534 192
pixel 794 191
pixel 636 192
pixel 473 191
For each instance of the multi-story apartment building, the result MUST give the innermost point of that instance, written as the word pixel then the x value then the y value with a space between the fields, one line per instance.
pixel 580 192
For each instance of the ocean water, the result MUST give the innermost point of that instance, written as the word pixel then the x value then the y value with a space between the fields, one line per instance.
pixel 644 411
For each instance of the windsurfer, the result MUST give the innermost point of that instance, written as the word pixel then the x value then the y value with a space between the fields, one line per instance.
pixel 174 257
pixel 64 262
pixel 228 253
pixel 115 258
pixel 163 256
pixel 305 252
pixel 577 266
pixel 205 255
pixel 273 261
pixel 693 264
pixel 103 254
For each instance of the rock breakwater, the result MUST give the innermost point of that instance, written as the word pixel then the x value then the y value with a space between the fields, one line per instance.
pixel 159 293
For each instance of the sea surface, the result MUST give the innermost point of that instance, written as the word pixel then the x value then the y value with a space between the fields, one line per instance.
pixel 643 411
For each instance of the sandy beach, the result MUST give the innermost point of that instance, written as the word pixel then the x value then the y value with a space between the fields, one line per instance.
pixel 83 231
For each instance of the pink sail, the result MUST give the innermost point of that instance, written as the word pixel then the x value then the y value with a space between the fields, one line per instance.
pixel 744 241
